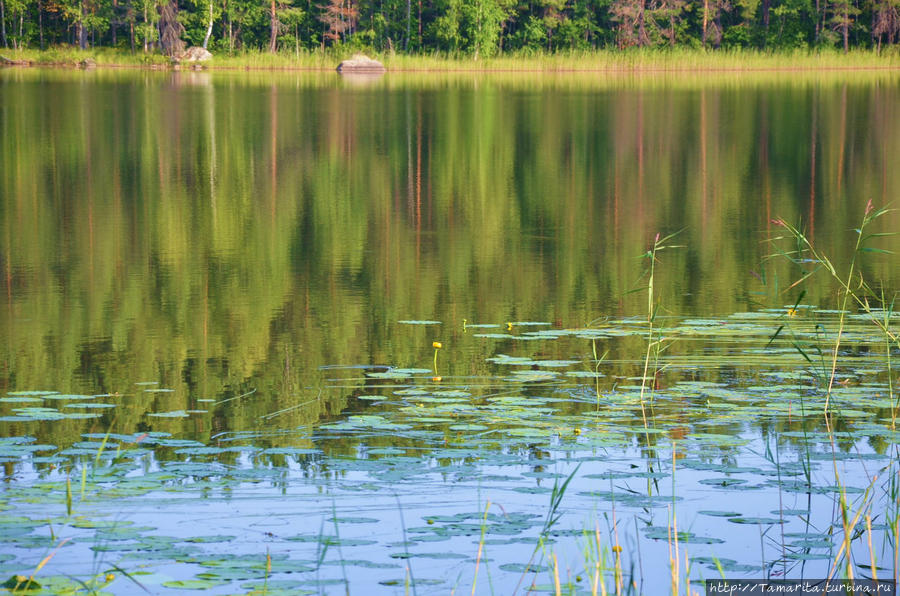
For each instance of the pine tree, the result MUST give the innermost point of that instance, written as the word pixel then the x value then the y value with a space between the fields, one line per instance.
pixel 843 14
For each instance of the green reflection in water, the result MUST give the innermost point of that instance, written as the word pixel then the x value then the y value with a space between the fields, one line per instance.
pixel 222 234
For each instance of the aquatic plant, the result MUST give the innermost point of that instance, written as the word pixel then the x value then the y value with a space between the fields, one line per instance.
pixel 854 287
pixel 856 291
pixel 437 346
pixel 655 341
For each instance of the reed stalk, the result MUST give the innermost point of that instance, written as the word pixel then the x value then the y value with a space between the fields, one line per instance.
pixel 480 545
pixel 854 290
pixel 556 586
pixel 652 309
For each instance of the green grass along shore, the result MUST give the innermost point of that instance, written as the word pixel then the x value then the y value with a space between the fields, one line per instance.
pixel 599 60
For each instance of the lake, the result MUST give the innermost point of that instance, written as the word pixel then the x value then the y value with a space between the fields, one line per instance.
pixel 291 333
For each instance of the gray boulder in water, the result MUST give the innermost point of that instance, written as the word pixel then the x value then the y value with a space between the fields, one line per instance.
pixel 362 64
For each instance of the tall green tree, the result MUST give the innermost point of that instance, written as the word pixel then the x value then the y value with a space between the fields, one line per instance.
pixel 446 28
pixel 86 17
pixel 844 13
pixel 792 25
pixel 147 29
pixel 16 10
pixel 553 15
pixel 742 33
pixel 482 21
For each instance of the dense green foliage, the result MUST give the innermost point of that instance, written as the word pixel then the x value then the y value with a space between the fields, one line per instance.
pixel 477 28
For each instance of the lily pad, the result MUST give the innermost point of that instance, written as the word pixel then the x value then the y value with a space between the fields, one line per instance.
pixel 193 584
pixel 755 520
pixel 170 414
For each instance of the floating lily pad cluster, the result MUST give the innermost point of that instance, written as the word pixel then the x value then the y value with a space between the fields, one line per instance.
pixel 423 479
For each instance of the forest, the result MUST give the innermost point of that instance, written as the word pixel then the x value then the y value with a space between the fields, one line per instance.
pixel 474 28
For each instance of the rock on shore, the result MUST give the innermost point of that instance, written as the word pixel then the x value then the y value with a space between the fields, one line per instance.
pixel 195 54
pixel 361 63
pixel 4 61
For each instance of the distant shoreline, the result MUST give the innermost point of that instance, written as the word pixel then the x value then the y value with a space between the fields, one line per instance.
pixel 602 61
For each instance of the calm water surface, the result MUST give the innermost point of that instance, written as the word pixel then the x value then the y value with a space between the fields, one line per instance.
pixel 237 264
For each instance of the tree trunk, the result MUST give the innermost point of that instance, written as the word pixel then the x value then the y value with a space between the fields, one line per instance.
pixel 273 23
pixel 3 25
pixel 82 32
pixel 643 40
pixel 209 28
pixel 706 18
pixel 818 28
pixel 113 21
pixel 846 26
pixel 230 28
pixel 130 13
pixel 671 30
pixel 40 8
pixel 145 32
pixel 876 43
